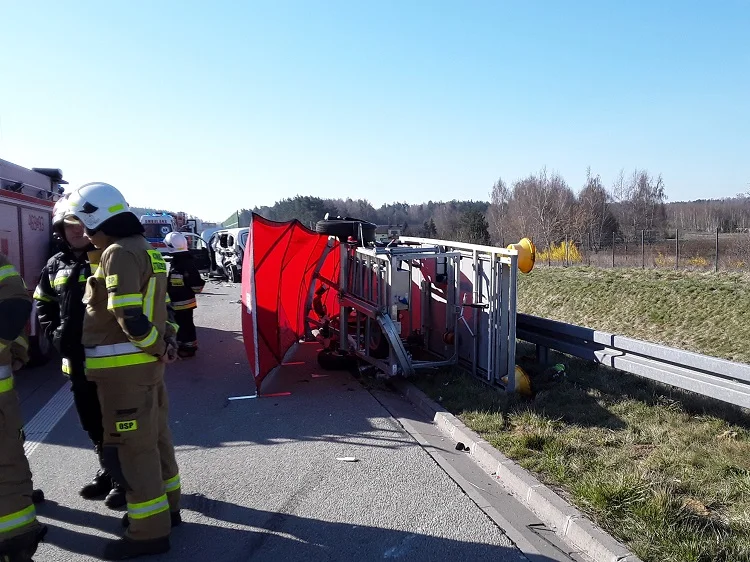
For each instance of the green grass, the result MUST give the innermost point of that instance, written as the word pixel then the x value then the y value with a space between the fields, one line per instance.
pixel 666 472
pixel 703 312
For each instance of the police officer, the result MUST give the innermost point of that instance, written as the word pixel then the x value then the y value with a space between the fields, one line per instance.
pixel 184 281
pixel 128 340
pixel 59 298
pixel 20 532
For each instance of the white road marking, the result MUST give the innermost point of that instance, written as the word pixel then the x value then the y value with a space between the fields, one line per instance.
pixel 46 419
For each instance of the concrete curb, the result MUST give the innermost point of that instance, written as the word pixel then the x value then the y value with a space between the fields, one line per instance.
pixel 564 519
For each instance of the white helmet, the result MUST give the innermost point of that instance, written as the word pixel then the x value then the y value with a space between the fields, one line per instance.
pixel 176 242
pixel 61 210
pixel 95 203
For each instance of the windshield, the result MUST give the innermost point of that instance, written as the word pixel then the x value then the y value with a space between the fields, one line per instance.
pixel 157 230
pixel 243 239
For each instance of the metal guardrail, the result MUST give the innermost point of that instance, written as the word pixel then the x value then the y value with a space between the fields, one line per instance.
pixel 717 378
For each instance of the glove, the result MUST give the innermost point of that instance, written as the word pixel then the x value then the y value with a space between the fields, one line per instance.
pixel 57 338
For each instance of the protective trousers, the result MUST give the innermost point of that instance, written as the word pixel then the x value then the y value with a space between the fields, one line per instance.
pixel 139 454
pixel 17 513
pixel 186 336
pixel 86 400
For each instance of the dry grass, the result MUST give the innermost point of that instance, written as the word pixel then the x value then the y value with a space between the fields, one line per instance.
pixel 666 472
pixel 703 312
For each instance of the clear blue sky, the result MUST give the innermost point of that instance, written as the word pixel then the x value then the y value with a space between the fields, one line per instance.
pixel 211 106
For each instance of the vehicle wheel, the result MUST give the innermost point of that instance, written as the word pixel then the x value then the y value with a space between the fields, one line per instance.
pixel 234 274
pixel 379 346
pixel 343 228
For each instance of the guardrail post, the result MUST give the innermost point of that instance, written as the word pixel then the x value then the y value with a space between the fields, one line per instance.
pixel 542 355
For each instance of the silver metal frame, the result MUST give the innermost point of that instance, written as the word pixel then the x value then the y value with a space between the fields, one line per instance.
pixel 487 349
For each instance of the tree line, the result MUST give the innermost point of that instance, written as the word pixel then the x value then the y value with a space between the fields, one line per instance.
pixel 542 206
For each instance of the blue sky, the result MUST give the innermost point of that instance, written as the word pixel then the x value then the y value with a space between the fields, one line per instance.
pixel 212 106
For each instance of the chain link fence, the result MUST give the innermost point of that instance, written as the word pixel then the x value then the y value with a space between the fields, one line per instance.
pixel 676 249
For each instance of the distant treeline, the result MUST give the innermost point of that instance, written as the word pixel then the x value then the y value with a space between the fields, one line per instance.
pixel 542 206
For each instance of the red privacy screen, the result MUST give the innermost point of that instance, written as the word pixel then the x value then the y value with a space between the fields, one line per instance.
pixel 282 267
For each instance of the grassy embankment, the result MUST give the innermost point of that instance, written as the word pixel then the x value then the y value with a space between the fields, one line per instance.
pixel 666 472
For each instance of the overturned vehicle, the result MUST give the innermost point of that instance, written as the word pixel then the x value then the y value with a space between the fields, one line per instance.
pixel 400 306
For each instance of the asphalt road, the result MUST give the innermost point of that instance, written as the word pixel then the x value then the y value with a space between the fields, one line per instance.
pixel 260 477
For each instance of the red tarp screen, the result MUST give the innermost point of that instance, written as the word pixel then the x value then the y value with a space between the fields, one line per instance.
pixel 279 275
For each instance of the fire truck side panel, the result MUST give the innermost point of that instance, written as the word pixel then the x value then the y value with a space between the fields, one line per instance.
pixel 10 243
pixel 36 236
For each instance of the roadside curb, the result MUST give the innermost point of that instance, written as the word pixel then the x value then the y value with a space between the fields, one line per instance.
pixel 565 520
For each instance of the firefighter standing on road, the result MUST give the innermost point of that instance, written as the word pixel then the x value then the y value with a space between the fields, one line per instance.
pixel 128 339
pixel 184 282
pixel 59 298
pixel 20 532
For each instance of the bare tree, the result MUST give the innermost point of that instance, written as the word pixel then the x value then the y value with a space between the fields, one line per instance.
pixel 641 202
pixel 542 205
pixel 498 212
pixel 593 216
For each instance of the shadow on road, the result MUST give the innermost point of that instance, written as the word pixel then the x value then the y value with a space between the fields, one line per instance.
pixel 229 532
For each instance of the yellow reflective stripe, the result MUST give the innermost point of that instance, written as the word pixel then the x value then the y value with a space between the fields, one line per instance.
pixel 172 484
pixel 148 301
pixel 167 299
pixel 18 519
pixel 111 281
pixel 98 272
pixel 40 296
pixel 149 340
pixel 82 278
pixel 60 280
pixel 120 301
pixel 174 325
pixel 119 361
pixel 149 508
pixel 7 271
pixel 66 368
pixel 197 290
pixel 177 282
pixel 21 340
pixel 184 305
pixel 6 385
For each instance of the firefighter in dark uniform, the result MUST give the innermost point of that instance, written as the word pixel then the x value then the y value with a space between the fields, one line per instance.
pixel 128 339
pixel 59 299
pixel 20 532
pixel 185 282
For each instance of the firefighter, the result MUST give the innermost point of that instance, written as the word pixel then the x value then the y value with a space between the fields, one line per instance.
pixel 128 339
pixel 184 282
pixel 59 299
pixel 20 532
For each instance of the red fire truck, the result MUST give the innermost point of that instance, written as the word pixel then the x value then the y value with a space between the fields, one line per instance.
pixel 26 201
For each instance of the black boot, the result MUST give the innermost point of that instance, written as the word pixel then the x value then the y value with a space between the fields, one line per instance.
pixel 22 547
pixel 37 497
pixel 174 516
pixel 124 549
pixel 98 487
pixel 116 497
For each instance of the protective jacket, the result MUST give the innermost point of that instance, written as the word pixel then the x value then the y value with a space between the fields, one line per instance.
pixel 185 281
pixel 15 307
pixel 126 318
pixel 59 298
